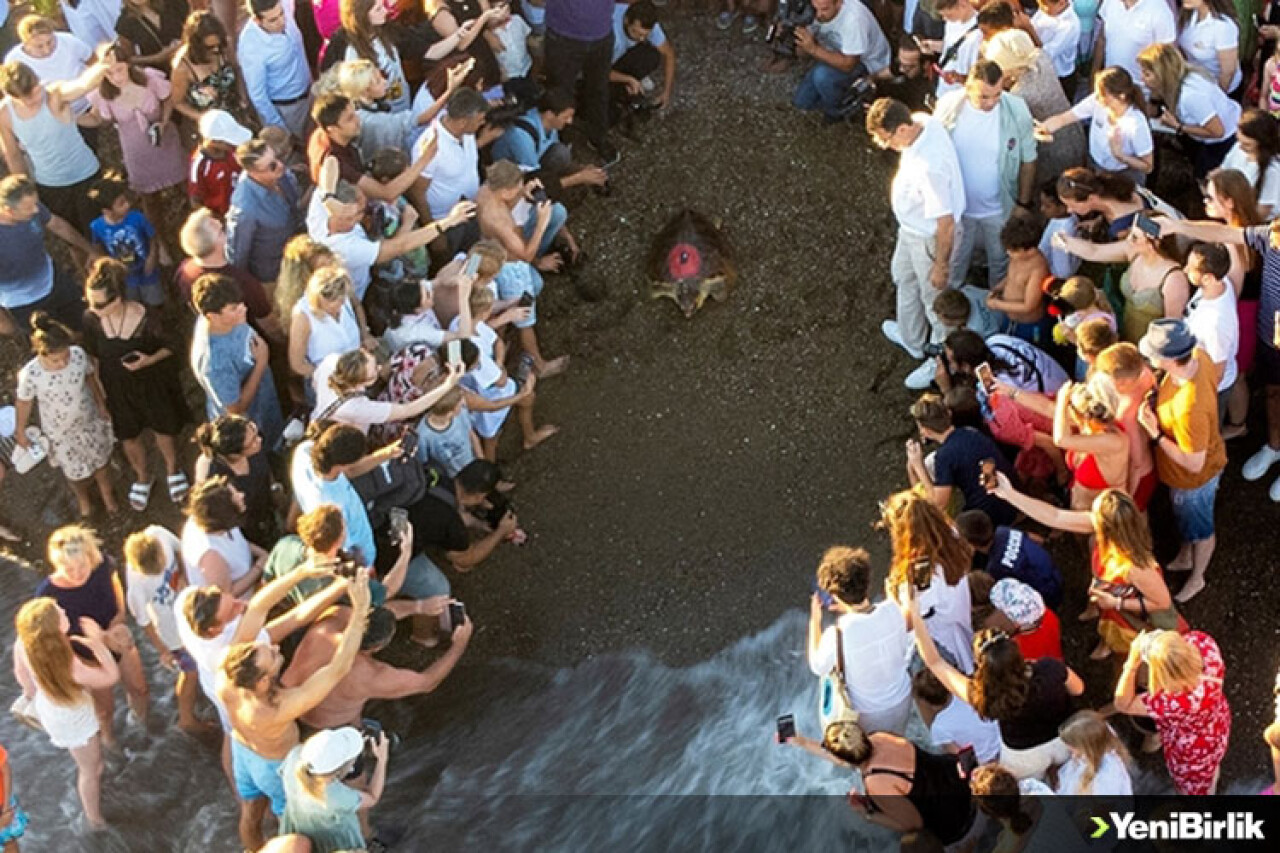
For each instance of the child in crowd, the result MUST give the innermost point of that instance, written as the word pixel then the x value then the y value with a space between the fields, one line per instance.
pixel 387 217
pixel 213 164
pixel 1079 301
pixel 155 576
pixel 445 436
pixel 965 307
pixel 510 42
pixel 1058 28
pixel 1099 764
pixel 126 235
pixel 953 724
pixel 1058 219
pixel 1019 296
pixel 73 411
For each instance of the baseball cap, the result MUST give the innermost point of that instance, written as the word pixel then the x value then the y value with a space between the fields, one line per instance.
pixel 220 126
pixel 326 751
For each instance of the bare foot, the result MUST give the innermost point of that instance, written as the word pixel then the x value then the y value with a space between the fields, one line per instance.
pixel 541 435
pixel 1234 431
pixel 506 486
pixel 1101 651
pixel 427 642
pixel 1179 564
pixel 1190 590
pixel 553 367
pixel 8 534
pixel 1088 614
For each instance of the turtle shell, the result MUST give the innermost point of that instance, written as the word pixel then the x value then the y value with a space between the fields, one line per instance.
pixel 689 260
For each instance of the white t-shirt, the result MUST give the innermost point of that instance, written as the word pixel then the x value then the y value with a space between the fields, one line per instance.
pixel 513 59
pixel 150 598
pixel 1201 99
pixel 976 136
pixel 454 172
pixel 230 545
pixel 1129 31
pixel 854 31
pixel 67 62
pixel 1217 330
pixel 415 328
pixel 1200 41
pixel 958 723
pixel 928 183
pixel 486 371
pixel 946 612
pixel 327 335
pixel 357 251
pixel 877 650
pixel 1243 163
pixel 962 60
pixel 1059 37
pixel 422 102
pixel 1111 780
pixel 207 652
pixel 358 411
pixel 1062 263
pixel 1134 130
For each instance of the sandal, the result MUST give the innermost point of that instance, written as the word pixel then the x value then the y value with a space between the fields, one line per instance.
pixel 178 487
pixel 139 496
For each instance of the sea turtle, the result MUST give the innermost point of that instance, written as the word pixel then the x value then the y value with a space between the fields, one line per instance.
pixel 689 260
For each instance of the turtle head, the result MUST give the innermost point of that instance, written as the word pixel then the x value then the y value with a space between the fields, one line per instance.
pixel 688 293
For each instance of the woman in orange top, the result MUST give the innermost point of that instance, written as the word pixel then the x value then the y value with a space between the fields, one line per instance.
pixel 13 820
pixel 1093 440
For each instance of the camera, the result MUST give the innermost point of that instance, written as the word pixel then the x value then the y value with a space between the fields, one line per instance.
pixel 538 194
pixel 987 475
pixel 367 761
pixel 343 565
pixel 398 518
pixel 1144 641
pixel 922 573
pixel 792 14
pixel 457 615
pixel 932 350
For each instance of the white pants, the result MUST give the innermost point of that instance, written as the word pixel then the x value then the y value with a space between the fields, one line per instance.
pixel 988 231
pixel 913 257
pixel 1035 762
pixel 893 720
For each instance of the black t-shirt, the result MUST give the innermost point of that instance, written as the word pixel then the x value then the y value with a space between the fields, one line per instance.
pixel 958 463
pixel 146 37
pixel 436 520
pixel 1047 707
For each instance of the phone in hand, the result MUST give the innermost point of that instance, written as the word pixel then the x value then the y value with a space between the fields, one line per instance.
pixel 525 301
pixel 453 352
pixel 986 377
pixel 457 615
pixel 131 357
pixel 473 265
pixel 786 727
pixel 823 596
pixel 409 443
pixel 1147 226
pixel 987 474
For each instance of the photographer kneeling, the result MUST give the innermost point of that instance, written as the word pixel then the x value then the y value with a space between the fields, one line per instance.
pixel 847 46
pixel 317 802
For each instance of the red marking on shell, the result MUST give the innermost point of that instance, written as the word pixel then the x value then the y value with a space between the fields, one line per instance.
pixel 684 261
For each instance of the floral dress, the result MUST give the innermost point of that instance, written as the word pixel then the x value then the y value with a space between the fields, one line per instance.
pixel 1194 725
pixel 80 437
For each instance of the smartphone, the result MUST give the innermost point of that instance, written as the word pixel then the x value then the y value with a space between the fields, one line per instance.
pixel 454 352
pixel 473 265
pixel 457 615
pixel 985 376
pixel 409 442
pixel 130 357
pixel 398 521
pixel 525 301
pixel 987 476
pixel 823 595
pixel 786 728
pixel 1147 226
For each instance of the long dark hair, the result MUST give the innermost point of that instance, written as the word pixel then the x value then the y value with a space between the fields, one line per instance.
pixel 198 27
pixel 107 89
pixel 1264 129
pixel 1217 9
pixel 1001 679
pixel 360 33
pixel 969 350
pixel 1079 183
pixel 1118 83
pixel 406 299
pixel 223 436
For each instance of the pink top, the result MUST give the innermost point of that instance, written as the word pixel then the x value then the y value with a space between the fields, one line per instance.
pixel 328 16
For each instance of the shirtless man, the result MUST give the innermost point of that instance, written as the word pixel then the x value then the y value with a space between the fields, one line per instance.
pixel 368 678
pixel 264 714
pixel 531 241
pixel 1019 295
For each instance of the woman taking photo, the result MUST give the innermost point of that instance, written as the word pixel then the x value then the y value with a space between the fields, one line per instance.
pixel 366 87
pixel 1029 700
pixel 342 385
pixel 86 585
pixel 1186 701
pixel 1099 763
pixel 325 321
pixel 214 549
pixel 59 684
pixel 930 556
pixel 1128 591
pixel 1094 445
pixel 905 788
pixel 140 377
pixel 231 447
pixel 204 75
pixel 1153 284
pixel 318 804
pixel 1190 104
pixel 1119 134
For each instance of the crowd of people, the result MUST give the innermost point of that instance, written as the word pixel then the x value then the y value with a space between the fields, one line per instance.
pixel 331 222
pixel 1085 348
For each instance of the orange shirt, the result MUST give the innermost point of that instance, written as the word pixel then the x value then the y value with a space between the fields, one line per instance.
pixel 1188 414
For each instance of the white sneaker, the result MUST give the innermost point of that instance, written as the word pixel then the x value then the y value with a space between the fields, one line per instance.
pixel 1259 463
pixel 922 377
pixel 894 334
pixel 1275 491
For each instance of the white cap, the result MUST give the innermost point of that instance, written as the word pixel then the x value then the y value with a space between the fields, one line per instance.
pixel 326 751
pixel 220 126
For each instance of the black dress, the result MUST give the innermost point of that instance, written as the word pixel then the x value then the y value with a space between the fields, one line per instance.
pixel 259 523
pixel 150 398
pixel 148 39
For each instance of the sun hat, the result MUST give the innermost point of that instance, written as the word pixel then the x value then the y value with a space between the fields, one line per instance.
pixel 1169 338
pixel 1020 602
pixel 326 751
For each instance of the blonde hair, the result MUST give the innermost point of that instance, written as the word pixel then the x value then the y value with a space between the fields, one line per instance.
pixel 330 282
pixel 1096 399
pixel 1174 664
pixel 918 530
pixel 196 236
pixel 48 651
pixel 1165 63
pixel 481 303
pixel 349 372
pixel 492 256
pixel 302 257
pixel 74 542
pixel 1083 294
pixel 355 77
pixel 314 784
pixel 1122 531
pixel 1087 732
pixel 145 553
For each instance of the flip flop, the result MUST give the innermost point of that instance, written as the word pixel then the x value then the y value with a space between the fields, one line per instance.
pixel 178 487
pixel 139 496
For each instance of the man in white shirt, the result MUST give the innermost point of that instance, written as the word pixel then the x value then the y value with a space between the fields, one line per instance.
pixel 1126 28
pixel 876 643
pixel 274 63
pixel 454 172
pixel 927 196
pixel 1211 313
pixel 994 138
pixel 54 56
pixel 846 44
pixel 961 44
pixel 1058 26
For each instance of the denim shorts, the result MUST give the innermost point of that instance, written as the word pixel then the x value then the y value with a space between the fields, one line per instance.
pixel 423 580
pixel 1193 510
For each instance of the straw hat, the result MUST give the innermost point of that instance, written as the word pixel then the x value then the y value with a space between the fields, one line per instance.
pixel 1012 50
